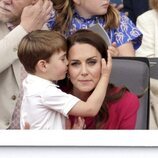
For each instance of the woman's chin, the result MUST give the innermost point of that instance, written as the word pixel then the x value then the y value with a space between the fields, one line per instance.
pixel 85 89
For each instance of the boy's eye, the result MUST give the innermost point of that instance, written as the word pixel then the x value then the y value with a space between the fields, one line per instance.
pixel 63 58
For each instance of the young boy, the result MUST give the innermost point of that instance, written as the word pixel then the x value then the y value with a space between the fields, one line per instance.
pixel 44 106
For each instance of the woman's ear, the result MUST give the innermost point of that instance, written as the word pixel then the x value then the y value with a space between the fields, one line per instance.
pixel 42 65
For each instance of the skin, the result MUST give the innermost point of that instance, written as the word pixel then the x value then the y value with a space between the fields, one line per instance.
pixel 30 14
pixel 54 69
pixel 11 10
pixel 84 69
pixel 96 7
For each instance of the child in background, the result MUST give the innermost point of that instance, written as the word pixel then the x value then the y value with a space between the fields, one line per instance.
pixel 72 15
pixel 44 106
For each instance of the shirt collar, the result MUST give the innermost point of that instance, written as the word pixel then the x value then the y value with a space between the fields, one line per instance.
pixel 40 80
pixel 10 26
pixel 82 19
pixel 91 19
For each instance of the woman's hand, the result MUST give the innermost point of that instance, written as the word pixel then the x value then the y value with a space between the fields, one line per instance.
pixel 27 125
pixel 79 123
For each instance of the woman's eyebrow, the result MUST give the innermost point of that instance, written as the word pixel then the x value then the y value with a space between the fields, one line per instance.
pixel 74 60
pixel 93 57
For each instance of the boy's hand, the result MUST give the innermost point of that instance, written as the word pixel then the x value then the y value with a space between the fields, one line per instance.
pixel 106 67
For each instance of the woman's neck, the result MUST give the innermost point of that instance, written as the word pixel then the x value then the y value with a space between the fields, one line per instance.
pixel 81 95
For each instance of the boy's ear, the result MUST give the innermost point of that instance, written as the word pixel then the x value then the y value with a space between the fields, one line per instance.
pixel 42 65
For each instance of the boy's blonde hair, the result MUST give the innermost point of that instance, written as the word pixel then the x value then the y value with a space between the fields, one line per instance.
pixel 39 45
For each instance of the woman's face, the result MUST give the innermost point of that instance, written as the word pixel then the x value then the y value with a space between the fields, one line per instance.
pixel 84 67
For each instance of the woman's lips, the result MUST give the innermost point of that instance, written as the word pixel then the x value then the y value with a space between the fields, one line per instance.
pixel 84 81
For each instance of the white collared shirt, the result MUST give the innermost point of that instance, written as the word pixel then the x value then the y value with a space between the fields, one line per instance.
pixel 44 106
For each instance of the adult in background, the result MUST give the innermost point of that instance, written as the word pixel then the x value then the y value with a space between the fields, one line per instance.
pixel 17 18
pixel 134 8
pixel 148 24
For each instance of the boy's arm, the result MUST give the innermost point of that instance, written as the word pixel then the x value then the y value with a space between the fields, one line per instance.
pixel 95 100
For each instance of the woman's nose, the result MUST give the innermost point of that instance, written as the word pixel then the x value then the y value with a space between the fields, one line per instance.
pixel 84 70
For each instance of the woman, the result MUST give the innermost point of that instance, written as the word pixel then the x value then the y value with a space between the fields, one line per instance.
pixel 148 24
pixel 119 109
pixel 72 15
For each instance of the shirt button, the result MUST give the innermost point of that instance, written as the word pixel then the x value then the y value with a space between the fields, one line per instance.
pixel 14 97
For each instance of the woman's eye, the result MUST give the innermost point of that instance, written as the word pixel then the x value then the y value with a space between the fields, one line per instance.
pixel 93 62
pixel 74 64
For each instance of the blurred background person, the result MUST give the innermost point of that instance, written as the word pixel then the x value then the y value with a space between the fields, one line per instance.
pixel 148 24
pixel 17 18
pixel 134 8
